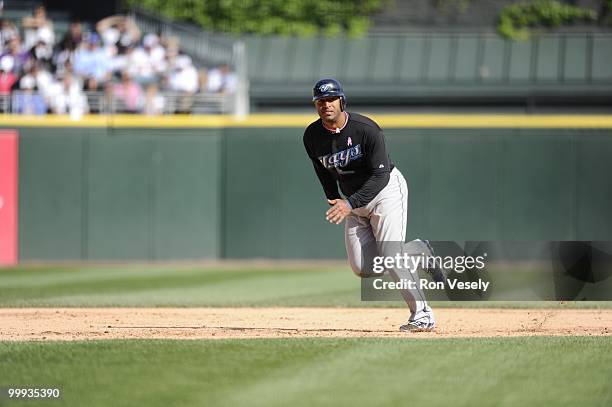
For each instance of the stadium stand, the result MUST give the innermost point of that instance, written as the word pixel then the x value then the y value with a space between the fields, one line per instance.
pixel 51 64
pixel 413 57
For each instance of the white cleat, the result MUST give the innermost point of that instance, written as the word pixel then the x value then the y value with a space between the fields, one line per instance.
pixel 418 326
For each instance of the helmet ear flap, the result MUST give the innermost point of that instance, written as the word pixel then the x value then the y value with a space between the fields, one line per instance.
pixel 342 103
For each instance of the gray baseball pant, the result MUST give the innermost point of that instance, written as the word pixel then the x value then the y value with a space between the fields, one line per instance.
pixel 379 228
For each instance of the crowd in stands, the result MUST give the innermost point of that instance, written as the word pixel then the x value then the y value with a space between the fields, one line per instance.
pixel 45 74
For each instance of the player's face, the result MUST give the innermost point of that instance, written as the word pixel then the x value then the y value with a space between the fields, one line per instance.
pixel 329 109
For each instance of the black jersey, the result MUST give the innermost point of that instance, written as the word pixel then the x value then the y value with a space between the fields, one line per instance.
pixel 354 157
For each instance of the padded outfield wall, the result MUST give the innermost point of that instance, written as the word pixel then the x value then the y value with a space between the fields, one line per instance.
pixel 208 187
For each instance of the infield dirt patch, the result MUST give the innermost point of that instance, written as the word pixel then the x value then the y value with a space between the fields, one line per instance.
pixel 18 324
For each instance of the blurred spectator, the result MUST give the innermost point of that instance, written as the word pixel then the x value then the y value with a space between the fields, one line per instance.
pixel 42 52
pixel 7 31
pixel 44 81
pixel 32 25
pixel 184 79
pixel 50 77
pixel 27 101
pixel 145 65
pixel 120 30
pixel 73 37
pixel 20 56
pixel 66 48
pixel 221 80
pixel 92 63
pixel 28 82
pixel 7 77
pixel 68 97
pixel 128 93
pixel 171 44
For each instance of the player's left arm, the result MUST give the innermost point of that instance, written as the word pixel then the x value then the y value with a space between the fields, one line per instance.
pixel 378 163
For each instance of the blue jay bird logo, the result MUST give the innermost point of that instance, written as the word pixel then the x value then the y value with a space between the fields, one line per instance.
pixel 325 87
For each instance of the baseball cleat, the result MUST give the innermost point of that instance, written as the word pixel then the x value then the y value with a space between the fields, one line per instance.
pixel 418 326
pixel 436 273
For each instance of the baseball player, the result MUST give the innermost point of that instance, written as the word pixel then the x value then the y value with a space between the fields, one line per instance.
pixel 348 149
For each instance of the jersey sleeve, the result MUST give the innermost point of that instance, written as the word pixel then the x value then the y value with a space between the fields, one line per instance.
pixel 378 163
pixel 329 184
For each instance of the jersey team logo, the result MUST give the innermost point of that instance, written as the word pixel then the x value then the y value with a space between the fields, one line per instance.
pixel 349 142
pixel 341 158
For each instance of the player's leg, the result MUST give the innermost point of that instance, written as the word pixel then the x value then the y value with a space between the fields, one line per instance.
pixel 388 217
pixel 360 244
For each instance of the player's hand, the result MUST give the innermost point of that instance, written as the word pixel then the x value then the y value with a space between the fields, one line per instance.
pixel 340 209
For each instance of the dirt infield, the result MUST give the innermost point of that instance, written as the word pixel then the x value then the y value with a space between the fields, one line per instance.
pixel 18 324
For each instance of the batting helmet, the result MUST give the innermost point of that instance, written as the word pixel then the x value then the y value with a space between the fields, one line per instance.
pixel 326 88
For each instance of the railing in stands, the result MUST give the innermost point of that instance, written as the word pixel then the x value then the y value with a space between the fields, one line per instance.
pixel 19 102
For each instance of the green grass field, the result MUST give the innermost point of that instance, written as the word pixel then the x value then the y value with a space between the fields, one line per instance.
pixel 306 372
pixel 210 286
pixel 565 371
pixel 142 286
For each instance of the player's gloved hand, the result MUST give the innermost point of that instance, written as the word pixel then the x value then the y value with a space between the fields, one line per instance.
pixel 340 210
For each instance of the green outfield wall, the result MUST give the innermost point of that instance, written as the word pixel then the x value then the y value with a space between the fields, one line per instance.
pixel 119 194
pixel 111 193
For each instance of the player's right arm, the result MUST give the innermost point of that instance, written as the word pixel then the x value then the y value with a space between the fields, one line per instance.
pixel 329 184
